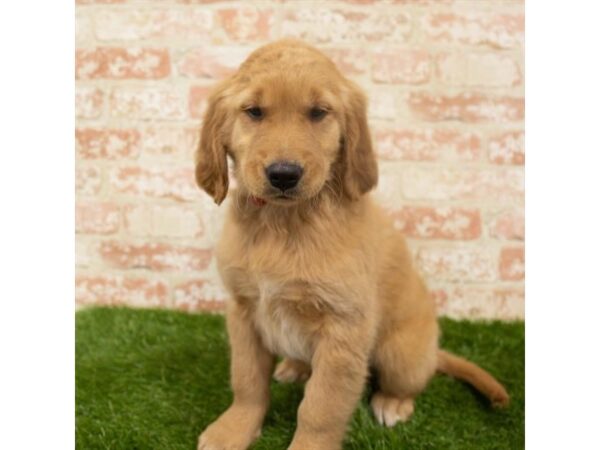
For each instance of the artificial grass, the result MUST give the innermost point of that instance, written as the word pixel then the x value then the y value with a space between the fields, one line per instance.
pixel 149 379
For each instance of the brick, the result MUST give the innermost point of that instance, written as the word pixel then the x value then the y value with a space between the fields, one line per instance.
pixel 199 295
pixel 383 104
pixel 104 2
pixel 196 2
pixel 190 24
pixel 213 63
pixel 88 180
pixel 349 61
pixel 488 70
pixel 84 256
pixel 457 263
pixel 120 290
pixel 197 101
pixel 422 2
pixel 173 221
pixel 480 184
pixel 508 225
pixel 512 264
pixel 159 182
pixel 89 102
pixel 97 217
pixel 480 29
pixel 401 66
pixel 507 148
pixel 83 28
pixel 323 25
pixel 438 223
pixel 154 256
pixel 147 103
pixel 467 107
pixel 170 142
pixel 389 187
pixel 399 2
pixel 246 24
pixel 412 144
pixel 480 303
pixel 94 143
pixel 122 63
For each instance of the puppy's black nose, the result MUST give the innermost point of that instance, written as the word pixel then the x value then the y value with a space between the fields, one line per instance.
pixel 284 175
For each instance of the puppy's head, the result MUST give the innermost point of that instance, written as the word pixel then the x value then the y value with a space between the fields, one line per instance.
pixel 293 127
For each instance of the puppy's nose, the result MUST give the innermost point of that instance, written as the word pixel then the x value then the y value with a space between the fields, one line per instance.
pixel 284 175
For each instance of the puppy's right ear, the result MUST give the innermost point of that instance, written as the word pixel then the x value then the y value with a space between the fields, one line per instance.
pixel 211 154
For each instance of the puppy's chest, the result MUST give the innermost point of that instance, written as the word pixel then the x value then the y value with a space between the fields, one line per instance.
pixel 289 304
pixel 286 317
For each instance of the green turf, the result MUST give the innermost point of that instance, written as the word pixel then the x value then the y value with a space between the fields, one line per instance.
pixel 155 379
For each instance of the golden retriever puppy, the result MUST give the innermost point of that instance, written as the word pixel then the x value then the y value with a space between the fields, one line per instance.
pixel 316 272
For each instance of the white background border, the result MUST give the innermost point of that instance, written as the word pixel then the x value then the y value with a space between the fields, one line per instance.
pixel 37 225
pixel 563 224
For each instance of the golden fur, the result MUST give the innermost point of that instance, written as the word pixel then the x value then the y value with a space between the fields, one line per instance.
pixel 320 277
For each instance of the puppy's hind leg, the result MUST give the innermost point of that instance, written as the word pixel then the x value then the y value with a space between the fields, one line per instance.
pixel 404 366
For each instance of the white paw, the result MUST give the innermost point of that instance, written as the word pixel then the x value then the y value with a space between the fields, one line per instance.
pixel 390 410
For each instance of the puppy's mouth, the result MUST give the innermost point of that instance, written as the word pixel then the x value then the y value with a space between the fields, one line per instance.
pixel 279 198
pixel 284 197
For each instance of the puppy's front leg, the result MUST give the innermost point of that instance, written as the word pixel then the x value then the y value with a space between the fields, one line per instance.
pixel 339 369
pixel 251 368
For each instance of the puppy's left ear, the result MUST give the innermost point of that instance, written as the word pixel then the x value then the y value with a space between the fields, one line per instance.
pixel 358 158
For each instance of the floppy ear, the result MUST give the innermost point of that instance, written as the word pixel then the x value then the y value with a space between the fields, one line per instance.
pixel 358 159
pixel 211 154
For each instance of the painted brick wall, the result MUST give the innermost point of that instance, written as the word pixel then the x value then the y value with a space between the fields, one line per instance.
pixel 446 87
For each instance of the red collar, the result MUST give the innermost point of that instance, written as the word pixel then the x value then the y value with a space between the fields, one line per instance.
pixel 257 201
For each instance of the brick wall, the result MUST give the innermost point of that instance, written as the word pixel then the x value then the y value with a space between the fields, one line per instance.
pixel 446 86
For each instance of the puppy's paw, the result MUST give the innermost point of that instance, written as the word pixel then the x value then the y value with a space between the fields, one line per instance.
pixel 236 429
pixel 390 410
pixel 216 439
pixel 290 371
pixel 211 441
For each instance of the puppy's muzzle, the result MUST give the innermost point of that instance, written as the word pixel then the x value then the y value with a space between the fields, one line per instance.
pixel 284 175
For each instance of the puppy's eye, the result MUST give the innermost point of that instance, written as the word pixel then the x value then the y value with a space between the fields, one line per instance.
pixel 317 113
pixel 254 113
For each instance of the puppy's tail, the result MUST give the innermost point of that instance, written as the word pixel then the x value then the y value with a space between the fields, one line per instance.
pixel 465 370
